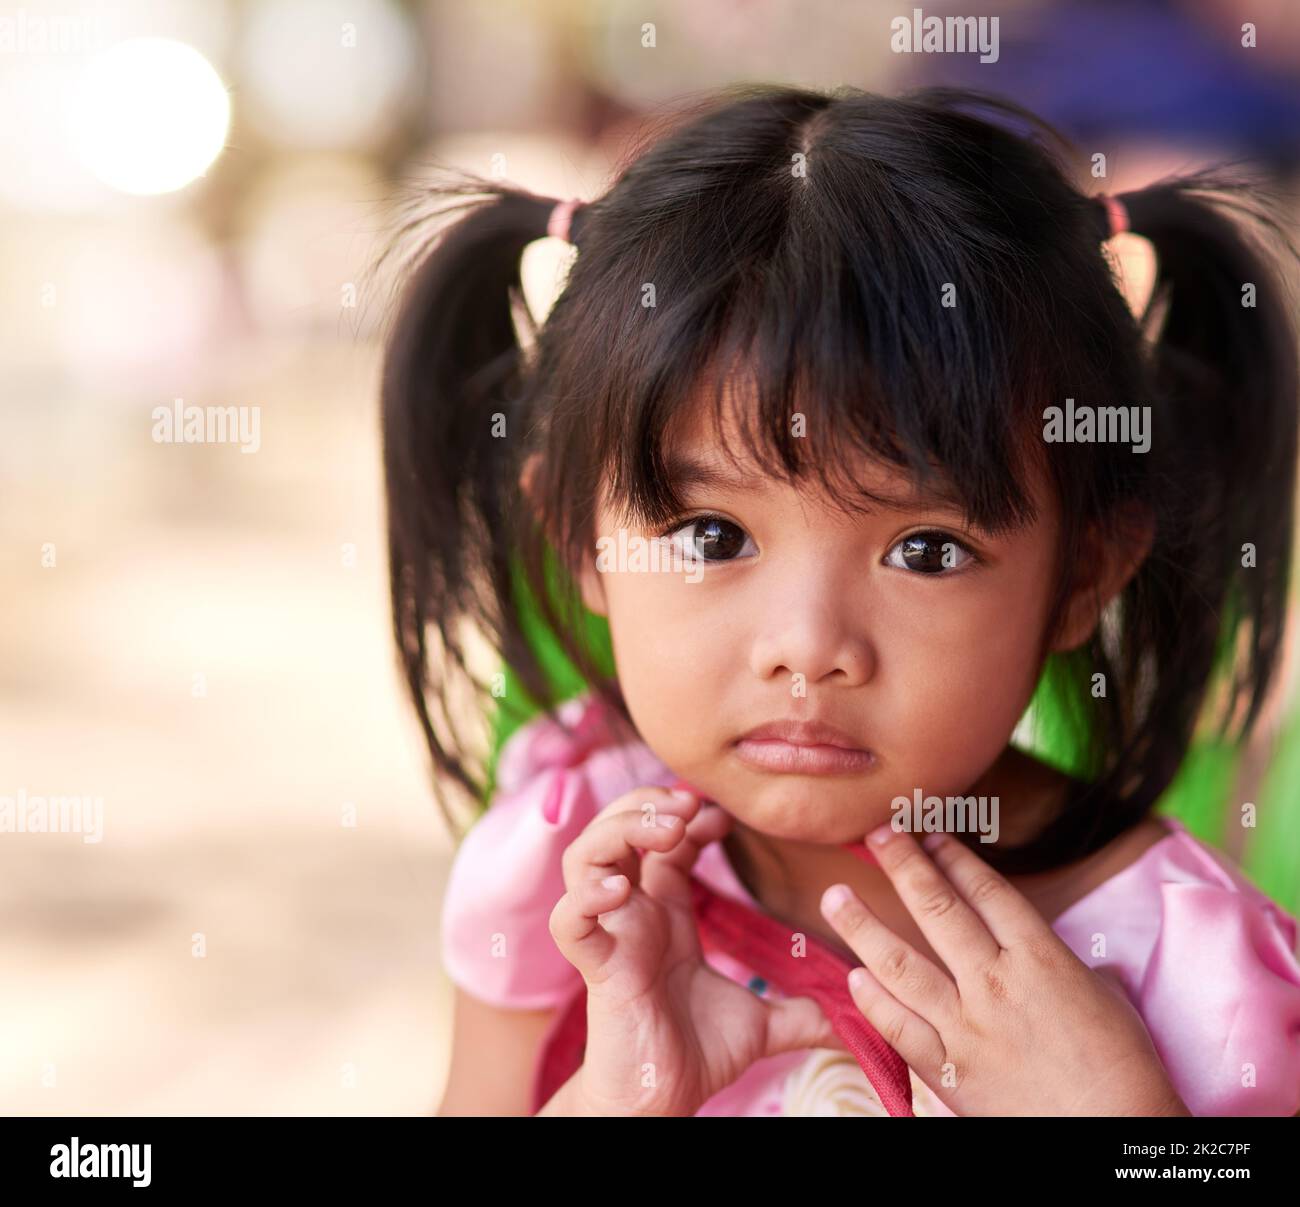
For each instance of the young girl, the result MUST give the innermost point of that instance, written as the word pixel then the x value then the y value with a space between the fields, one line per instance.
pixel 860 365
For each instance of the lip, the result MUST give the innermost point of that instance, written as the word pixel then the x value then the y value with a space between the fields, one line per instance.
pixel 802 733
pixel 803 748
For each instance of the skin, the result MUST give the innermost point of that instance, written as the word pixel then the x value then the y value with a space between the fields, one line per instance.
pixel 1009 1021
pixel 931 672
pixel 665 1032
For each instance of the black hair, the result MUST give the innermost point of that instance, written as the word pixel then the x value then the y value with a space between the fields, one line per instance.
pixel 812 237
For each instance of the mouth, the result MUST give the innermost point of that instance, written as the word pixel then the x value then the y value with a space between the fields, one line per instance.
pixel 803 748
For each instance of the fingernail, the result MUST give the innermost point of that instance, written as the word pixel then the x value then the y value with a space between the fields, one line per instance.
pixel 682 794
pixel 835 898
pixel 880 835
pixel 613 882
pixel 931 841
pixel 667 821
pixel 857 980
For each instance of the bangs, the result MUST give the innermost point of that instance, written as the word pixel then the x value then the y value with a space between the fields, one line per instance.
pixel 815 425
pixel 821 351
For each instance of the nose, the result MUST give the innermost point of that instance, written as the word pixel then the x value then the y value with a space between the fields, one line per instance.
pixel 815 631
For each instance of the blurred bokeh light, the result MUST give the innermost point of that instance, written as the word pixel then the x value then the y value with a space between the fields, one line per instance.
pixel 150 115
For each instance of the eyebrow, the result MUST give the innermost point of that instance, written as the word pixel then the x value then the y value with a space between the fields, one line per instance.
pixel 685 471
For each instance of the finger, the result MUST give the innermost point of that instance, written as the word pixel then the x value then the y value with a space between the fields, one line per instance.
pixel 951 925
pixel 911 1036
pixel 798 1022
pixel 575 922
pixel 648 802
pixel 666 875
pixel 647 798
pixel 896 964
pixel 653 820
pixel 1005 911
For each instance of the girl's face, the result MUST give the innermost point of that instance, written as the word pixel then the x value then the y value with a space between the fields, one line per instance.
pixel 915 637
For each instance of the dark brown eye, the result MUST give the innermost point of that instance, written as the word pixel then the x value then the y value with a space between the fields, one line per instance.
pixel 711 539
pixel 929 553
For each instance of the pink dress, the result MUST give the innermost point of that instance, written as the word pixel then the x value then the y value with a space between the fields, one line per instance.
pixel 1206 958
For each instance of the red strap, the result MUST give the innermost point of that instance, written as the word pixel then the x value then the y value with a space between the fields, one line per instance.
pixel 763 944
pixel 562 1049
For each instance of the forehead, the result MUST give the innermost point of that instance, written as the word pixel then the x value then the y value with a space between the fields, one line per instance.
pixel 708 467
pixel 713 447
pixel 705 450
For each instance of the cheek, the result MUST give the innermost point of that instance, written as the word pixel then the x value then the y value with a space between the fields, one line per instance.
pixel 959 672
pixel 954 670
pixel 668 650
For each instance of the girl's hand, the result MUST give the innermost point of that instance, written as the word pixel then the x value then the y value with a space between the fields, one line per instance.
pixel 1018 1024
pixel 665 1032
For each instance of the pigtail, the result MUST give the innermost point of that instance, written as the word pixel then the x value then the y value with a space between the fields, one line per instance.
pixel 1208 608
pixel 452 427
pixel 1227 348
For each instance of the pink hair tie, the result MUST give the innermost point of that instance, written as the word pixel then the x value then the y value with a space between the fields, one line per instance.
pixel 1117 214
pixel 557 225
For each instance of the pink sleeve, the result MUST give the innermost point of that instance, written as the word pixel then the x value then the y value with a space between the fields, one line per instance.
pixel 506 876
pixel 1221 999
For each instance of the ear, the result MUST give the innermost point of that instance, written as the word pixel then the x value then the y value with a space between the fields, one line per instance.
pixel 591 584
pixel 1105 567
pixel 588 578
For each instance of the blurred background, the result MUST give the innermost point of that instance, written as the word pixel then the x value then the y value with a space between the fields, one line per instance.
pixel 192 195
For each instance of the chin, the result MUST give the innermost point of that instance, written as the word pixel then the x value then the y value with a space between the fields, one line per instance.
pixel 800 809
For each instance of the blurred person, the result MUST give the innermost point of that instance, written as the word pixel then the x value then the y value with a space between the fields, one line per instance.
pixel 1224 77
